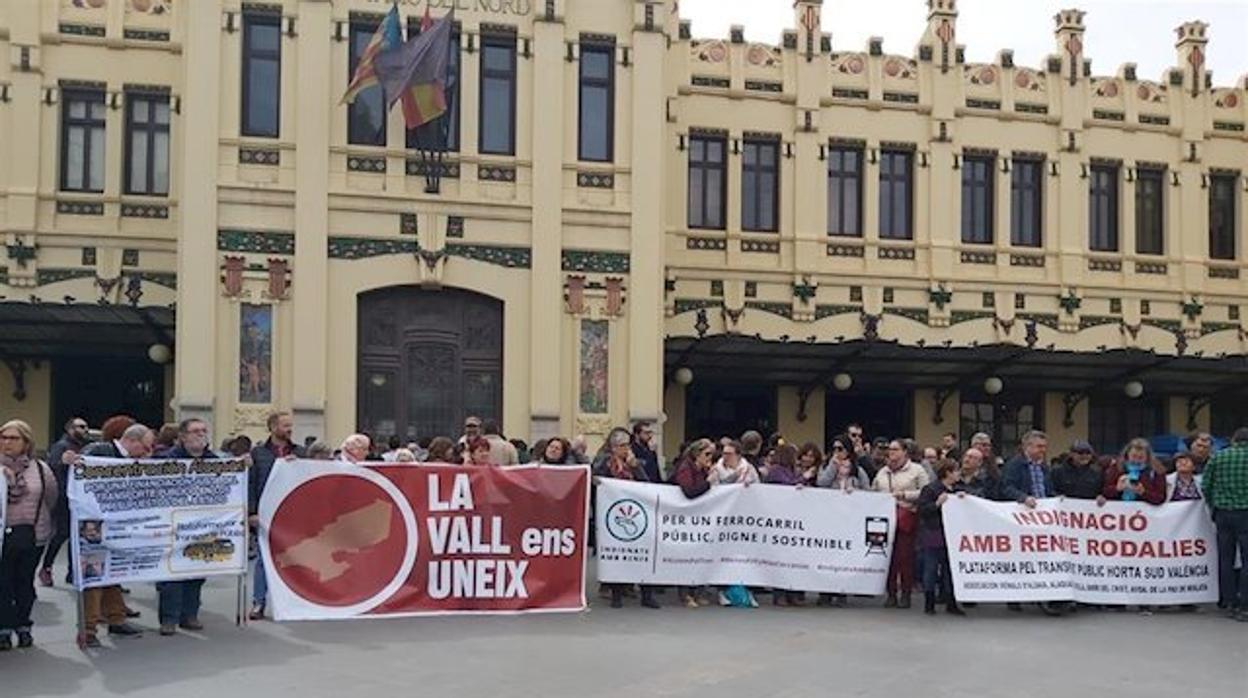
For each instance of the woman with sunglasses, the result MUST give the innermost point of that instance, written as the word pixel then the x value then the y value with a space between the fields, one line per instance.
pixel 842 471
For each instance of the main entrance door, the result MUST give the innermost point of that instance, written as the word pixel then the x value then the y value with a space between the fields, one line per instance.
pixel 427 359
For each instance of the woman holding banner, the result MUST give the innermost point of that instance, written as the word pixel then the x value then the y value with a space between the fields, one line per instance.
pixel 1138 477
pixel 841 472
pixel 31 495
pixel 692 478
pixel 937 580
pixel 783 470
pixel 903 479
pixel 619 463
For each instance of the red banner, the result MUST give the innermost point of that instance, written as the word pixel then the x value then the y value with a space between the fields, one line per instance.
pixel 344 541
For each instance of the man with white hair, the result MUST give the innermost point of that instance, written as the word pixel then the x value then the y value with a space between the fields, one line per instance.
pixel 105 603
pixel 354 449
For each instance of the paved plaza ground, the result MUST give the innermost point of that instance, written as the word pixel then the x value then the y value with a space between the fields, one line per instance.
pixel 864 650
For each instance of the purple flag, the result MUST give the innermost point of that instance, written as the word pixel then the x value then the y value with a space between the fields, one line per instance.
pixel 419 61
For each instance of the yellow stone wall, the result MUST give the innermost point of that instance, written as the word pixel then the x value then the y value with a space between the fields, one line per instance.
pixel 806 89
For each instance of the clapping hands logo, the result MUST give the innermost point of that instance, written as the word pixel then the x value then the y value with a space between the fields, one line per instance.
pixel 627 520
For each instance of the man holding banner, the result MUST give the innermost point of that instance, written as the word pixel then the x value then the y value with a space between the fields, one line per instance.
pixel 168 521
pixel 105 603
pixel 179 600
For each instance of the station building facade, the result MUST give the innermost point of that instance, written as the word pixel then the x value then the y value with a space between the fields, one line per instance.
pixel 630 224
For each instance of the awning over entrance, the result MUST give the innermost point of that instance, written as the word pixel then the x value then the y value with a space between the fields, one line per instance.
pixel 48 330
pixel 882 365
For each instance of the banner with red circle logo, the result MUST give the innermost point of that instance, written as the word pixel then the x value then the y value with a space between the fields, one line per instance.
pixel 346 541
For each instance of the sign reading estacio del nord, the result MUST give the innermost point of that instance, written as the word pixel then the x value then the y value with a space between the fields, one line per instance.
pixel 510 7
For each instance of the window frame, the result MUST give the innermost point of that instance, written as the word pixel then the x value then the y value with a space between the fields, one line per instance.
pixel 87 96
pixel 251 53
pixel 506 41
pixel 585 83
pixel 702 167
pixel 837 181
pixel 759 170
pixel 1111 197
pixel 979 173
pixel 887 184
pixel 1155 177
pixel 1019 190
pixel 1229 219
pixel 151 128
pixel 453 95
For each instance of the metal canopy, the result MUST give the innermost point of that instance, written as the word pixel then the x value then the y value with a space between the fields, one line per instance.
pixel 47 330
pixel 883 365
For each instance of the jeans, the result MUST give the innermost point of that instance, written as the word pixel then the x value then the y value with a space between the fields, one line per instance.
pixel 179 601
pixel 936 577
pixel 259 585
pixel 1232 533
pixel 17 586
pixel 901 566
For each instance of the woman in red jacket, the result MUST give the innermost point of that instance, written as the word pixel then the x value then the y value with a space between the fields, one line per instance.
pixel 1137 477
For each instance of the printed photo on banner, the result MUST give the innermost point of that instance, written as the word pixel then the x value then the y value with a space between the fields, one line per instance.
pixel 816 540
pixel 157 520
pixel 342 541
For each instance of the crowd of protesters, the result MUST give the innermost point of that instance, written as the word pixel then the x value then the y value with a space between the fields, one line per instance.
pixel 920 478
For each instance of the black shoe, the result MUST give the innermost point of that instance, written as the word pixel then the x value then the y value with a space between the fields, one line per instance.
pixel 124 630
pixel 929 604
pixel 649 601
pixel 131 613
pixel 6 642
pixel 904 602
pixel 970 604
pixel 125 590
pixel 891 601
pixel 24 639
pixel 617 598
pixel 953 610
pixel 91 642
pixel 1242 617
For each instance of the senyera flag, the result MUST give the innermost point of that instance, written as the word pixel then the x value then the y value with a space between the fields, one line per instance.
pixel 345 541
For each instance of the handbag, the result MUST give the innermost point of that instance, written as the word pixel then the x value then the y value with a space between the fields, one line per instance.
pixel 907 520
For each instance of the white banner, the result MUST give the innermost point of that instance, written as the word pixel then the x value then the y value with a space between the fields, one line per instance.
pixel 762 535
pixel 1073 550
pixel 157 520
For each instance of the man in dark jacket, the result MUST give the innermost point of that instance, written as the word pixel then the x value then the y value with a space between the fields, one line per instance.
pixel 279 446
pixel 106 603
pixel 1079 477
pixel 179 600
pixel 643 450
pixel 75 439
pixel 1026 477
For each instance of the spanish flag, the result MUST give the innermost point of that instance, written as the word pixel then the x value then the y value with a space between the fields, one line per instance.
pixel 415 72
